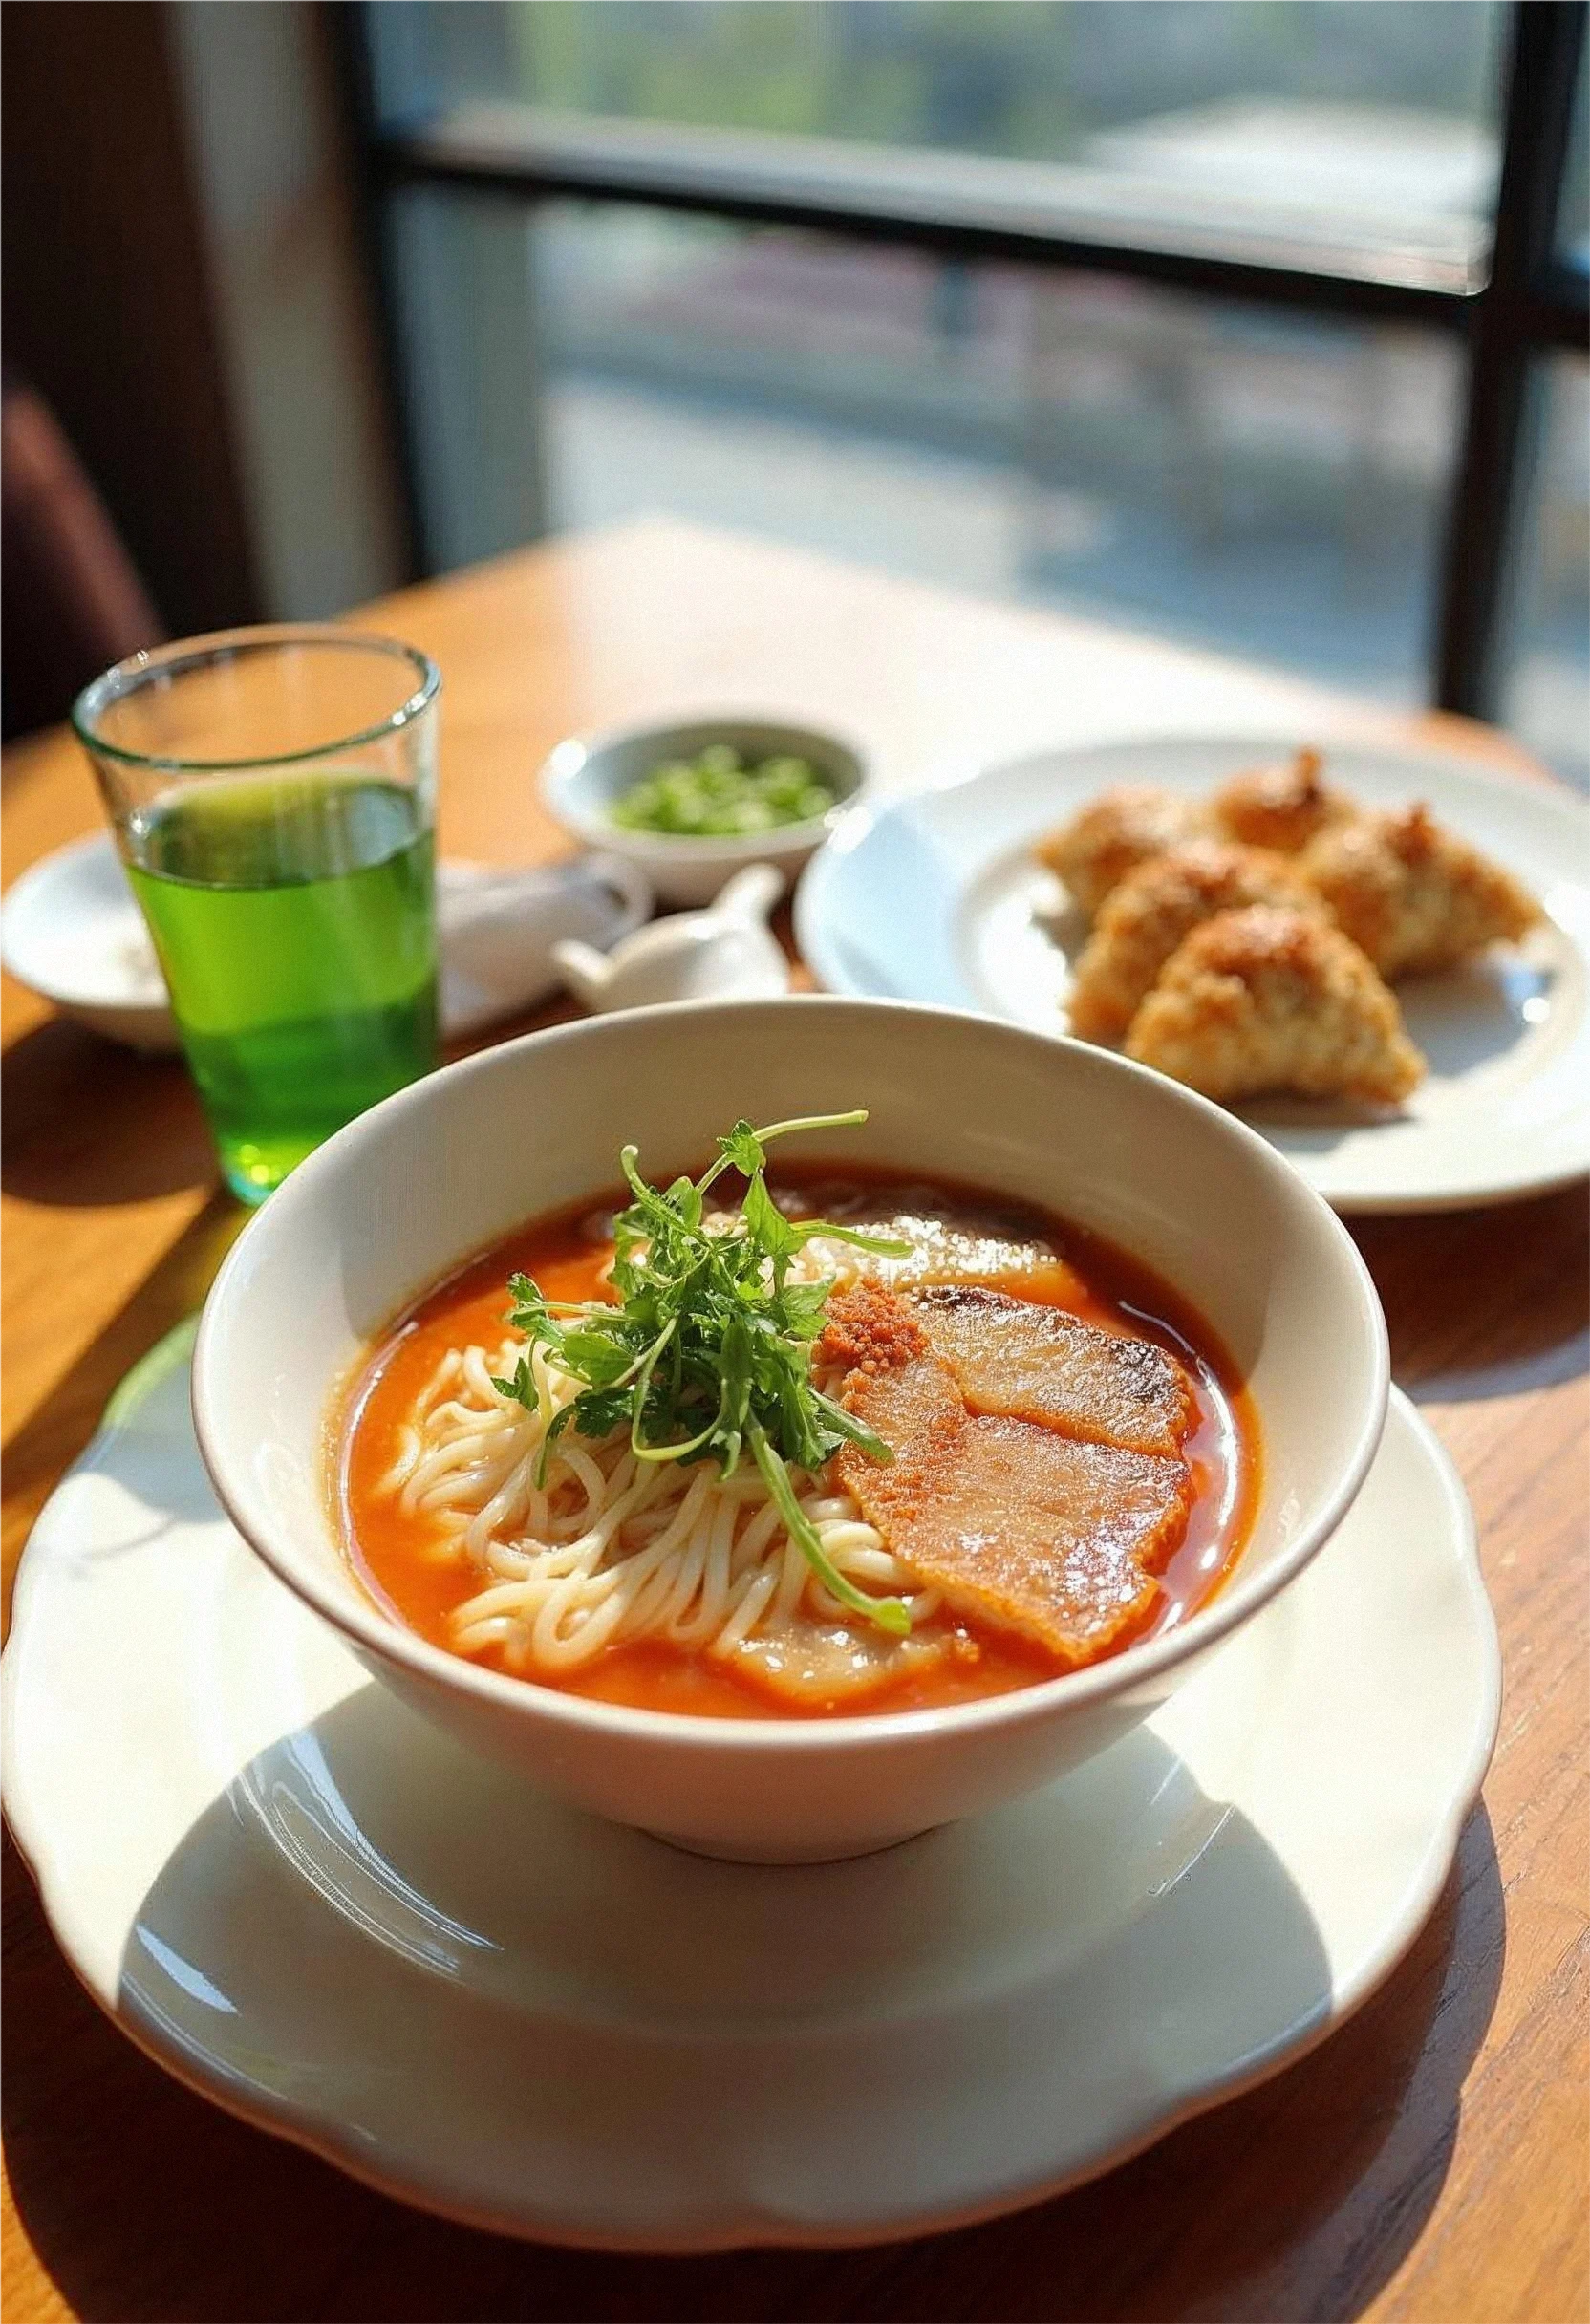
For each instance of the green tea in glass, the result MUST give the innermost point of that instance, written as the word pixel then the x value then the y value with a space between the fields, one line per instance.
pixel 273 793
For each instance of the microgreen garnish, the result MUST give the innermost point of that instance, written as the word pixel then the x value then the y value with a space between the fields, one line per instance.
pixel 706 1354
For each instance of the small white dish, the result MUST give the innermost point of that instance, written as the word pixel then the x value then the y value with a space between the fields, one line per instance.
pixel 586 774
pixel 446 1168
pixel 315 1909
pixel 497 931
pixel 71 929
pixel 725 952
pixel 936 897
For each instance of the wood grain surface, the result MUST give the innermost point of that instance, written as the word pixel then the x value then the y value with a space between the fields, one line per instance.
pixel 1431 2162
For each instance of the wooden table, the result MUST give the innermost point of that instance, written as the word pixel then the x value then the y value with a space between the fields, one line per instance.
pixel 1429 2162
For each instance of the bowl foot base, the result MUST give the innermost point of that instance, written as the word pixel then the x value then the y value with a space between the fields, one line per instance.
pixel 741 1852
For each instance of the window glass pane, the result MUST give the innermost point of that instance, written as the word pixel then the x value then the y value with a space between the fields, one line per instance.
pixel 1547 699
pixel 1572 217
pixel 1259 482
pixel 465 316
pixel 1034 79
pixel 1370 123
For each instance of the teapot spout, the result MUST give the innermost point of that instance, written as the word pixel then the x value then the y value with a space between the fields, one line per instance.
pixel 586 970
pixel 750 895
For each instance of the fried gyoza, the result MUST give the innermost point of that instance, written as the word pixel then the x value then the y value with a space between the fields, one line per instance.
pixel 1282 808
pixel 1267 1000
pixel 1411 896
pixel 1121 829
pixel 1142 920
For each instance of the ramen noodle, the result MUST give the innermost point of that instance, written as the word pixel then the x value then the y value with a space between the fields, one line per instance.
pixel 1073 1422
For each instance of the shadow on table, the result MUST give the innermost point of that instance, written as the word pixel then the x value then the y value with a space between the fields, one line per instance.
pixel 87 1121
pixel 143 2201
pixel 68 1417
pixel 1483 1304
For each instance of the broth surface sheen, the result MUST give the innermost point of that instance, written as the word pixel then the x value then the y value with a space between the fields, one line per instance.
pixel 965 1236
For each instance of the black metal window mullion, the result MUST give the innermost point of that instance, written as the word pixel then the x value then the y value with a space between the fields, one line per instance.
pixel 1529 302
pixel 348 36
pixel 1506 329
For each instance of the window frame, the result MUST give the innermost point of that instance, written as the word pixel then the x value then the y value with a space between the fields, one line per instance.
pixel 1525 304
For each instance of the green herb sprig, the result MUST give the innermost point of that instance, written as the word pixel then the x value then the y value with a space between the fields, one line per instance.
pixel 706 1354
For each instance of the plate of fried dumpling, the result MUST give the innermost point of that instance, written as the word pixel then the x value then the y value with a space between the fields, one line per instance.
pixel 1380 958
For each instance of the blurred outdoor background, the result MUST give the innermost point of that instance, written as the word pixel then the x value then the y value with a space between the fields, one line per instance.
pixel 1268 477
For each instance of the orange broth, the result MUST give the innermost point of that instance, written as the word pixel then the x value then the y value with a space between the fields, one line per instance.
pixel 566 1253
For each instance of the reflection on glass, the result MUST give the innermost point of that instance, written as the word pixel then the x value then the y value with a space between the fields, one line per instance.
pixel 1573 215
pixel 1373 125
pixel 1033 79
pixel 1269 485
pixel 1547 694
pixel 1377 114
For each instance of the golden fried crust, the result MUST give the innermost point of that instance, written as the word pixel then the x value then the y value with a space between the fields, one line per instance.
pixel 1269 998
pixel 1281 807
pixel 1411 896
pixel 1142 921
pixel 1020 1523
pixel 1012 1359
pixel 1121 829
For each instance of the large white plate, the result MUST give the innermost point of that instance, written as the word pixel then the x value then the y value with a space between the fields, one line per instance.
pixel 936 897
pixel 323 1914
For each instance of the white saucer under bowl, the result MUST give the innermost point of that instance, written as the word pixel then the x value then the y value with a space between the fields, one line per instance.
pixel 315 1909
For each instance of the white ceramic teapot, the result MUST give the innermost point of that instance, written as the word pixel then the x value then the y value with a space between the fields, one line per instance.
pixel 726 950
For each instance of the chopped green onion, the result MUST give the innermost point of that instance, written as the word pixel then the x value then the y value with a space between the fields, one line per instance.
pixel 717 1304
pixel 719 795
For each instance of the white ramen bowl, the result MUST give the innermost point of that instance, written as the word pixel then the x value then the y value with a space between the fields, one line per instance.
pixel 431 1176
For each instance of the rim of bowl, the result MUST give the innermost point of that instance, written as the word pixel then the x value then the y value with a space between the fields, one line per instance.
pixel 389 1640
pixel 575 752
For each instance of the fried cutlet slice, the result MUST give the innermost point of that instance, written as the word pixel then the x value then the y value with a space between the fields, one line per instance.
pixel 1016 1524
pixel 1281 807
pixel 1119 830
pixel 1414 896
pixel 1012 1359
pixel 1269 999
pixel 1144 918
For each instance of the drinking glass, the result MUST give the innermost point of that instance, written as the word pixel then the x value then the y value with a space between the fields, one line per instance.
pixel 273 796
